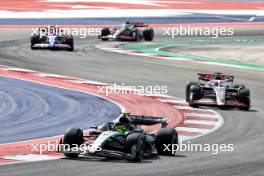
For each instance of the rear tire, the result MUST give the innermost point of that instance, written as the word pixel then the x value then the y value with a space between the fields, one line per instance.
pixel 148 34
pixel 166 136
pixel 244 97
pixel 105 32
pixel 135 146
pixel 73 137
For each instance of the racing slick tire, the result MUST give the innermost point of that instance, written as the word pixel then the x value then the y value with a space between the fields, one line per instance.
pixel 195 94
pixel 34 39
pixel 72 138
pixel 135 146
pixel 148 34
pixel 166 136
pixel 244 97
pixel 70 42
pixel 105 32
pixel 187 90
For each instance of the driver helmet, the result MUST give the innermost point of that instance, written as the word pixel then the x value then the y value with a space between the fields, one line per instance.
pixel 52 30
pixel 127 24
pixel 216 83
pixel 218 77
pixel 125 118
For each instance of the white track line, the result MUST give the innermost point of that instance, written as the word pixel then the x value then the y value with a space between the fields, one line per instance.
pixel 203 122
pixel 51 75
pixel 31 157
pixel 173 101
pixel 87 82
pixel 18 69
pixel 198 130
pixel 201 115
pixel 185 108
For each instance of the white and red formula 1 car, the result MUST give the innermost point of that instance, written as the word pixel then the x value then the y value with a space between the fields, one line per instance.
pixel 217 89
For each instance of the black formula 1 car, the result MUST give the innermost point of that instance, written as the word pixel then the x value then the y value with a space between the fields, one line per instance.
pixel 129 31
pixel 217 89
pixel 51 37
pixel 123 139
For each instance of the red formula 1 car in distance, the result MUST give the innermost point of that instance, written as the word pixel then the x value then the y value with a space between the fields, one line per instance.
pixel 129 31
pixel 217 89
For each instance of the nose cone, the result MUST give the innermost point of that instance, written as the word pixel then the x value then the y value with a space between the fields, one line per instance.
pixel 52 40
pixel 220 95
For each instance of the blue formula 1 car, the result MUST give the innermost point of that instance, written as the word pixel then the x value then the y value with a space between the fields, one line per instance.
pixel 51 37
pixel 123 139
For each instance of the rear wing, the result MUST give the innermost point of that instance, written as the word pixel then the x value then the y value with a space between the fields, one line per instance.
pixel 148 120
pixel 214 76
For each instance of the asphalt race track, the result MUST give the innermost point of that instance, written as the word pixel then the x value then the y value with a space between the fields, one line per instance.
pixel 45 111
pixel 243 129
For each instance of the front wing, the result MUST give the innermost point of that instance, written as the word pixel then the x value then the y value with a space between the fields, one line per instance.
pixel 46 45
pixel 121 37
pixel 212 102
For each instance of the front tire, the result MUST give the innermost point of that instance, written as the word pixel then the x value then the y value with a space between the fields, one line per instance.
pixel 34 39
pixel 72 138
pixel 105 32
pixel 194 94
pixel 135 146
pixel 187 90
pixel 70 42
